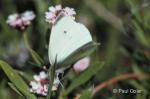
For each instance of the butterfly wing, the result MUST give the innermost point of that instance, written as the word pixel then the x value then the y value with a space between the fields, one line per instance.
pixel 83 51
pixel 67 37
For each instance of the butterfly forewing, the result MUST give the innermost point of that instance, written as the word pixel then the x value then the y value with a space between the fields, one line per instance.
pixel 58 40
pixel 68 39
pixel 79 36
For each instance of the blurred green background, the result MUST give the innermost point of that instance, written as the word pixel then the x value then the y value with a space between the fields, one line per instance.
pixel 121 26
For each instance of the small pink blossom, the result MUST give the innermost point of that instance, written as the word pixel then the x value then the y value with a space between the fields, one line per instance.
pixel 12 20
pixel 40 84
pixel 81 65
pixel 20 21
pixel 54 11
pixel 69 11
pixel 28 16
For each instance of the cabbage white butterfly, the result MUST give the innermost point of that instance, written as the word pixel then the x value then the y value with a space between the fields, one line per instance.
pixel 69 41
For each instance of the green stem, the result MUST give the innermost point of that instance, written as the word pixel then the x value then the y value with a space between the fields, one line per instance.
pixel 25 38
pixel 33 54
pixel 58 2
pixel 51 74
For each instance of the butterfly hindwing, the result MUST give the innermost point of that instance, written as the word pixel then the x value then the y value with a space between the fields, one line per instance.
pixel 83 51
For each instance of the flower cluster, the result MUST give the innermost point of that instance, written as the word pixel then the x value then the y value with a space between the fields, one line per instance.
pixel 53 13
pixel 20 21
pixel 81 65
pixel 40 84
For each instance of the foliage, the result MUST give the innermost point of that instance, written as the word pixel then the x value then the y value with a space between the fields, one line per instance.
pixel 122 27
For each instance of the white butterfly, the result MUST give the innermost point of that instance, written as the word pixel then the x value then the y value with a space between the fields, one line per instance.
pixel 69 41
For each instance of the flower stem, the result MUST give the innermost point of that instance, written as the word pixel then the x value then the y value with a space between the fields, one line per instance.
pixel 58 2
pixel 25 38
pixel 51 74
pixel 33 54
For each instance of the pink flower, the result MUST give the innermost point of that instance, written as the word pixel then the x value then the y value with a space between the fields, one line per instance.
pixel 69 11
pixel 53 13
pixel 81 65
pixel 40 84
pixel 20 21
pixel 12 20
pixel 28 16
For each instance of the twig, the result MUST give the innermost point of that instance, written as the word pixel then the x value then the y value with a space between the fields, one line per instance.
pixel 119 78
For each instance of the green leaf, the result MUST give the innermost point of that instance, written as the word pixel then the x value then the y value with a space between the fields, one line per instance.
pixel 16 80
pixel 36 57
pixel 143 81
pixel 85 76
pixel 140 34
pixel 135 9
pixel 15 89
pixel 26 76
pixel 138 86
pixel 86 94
